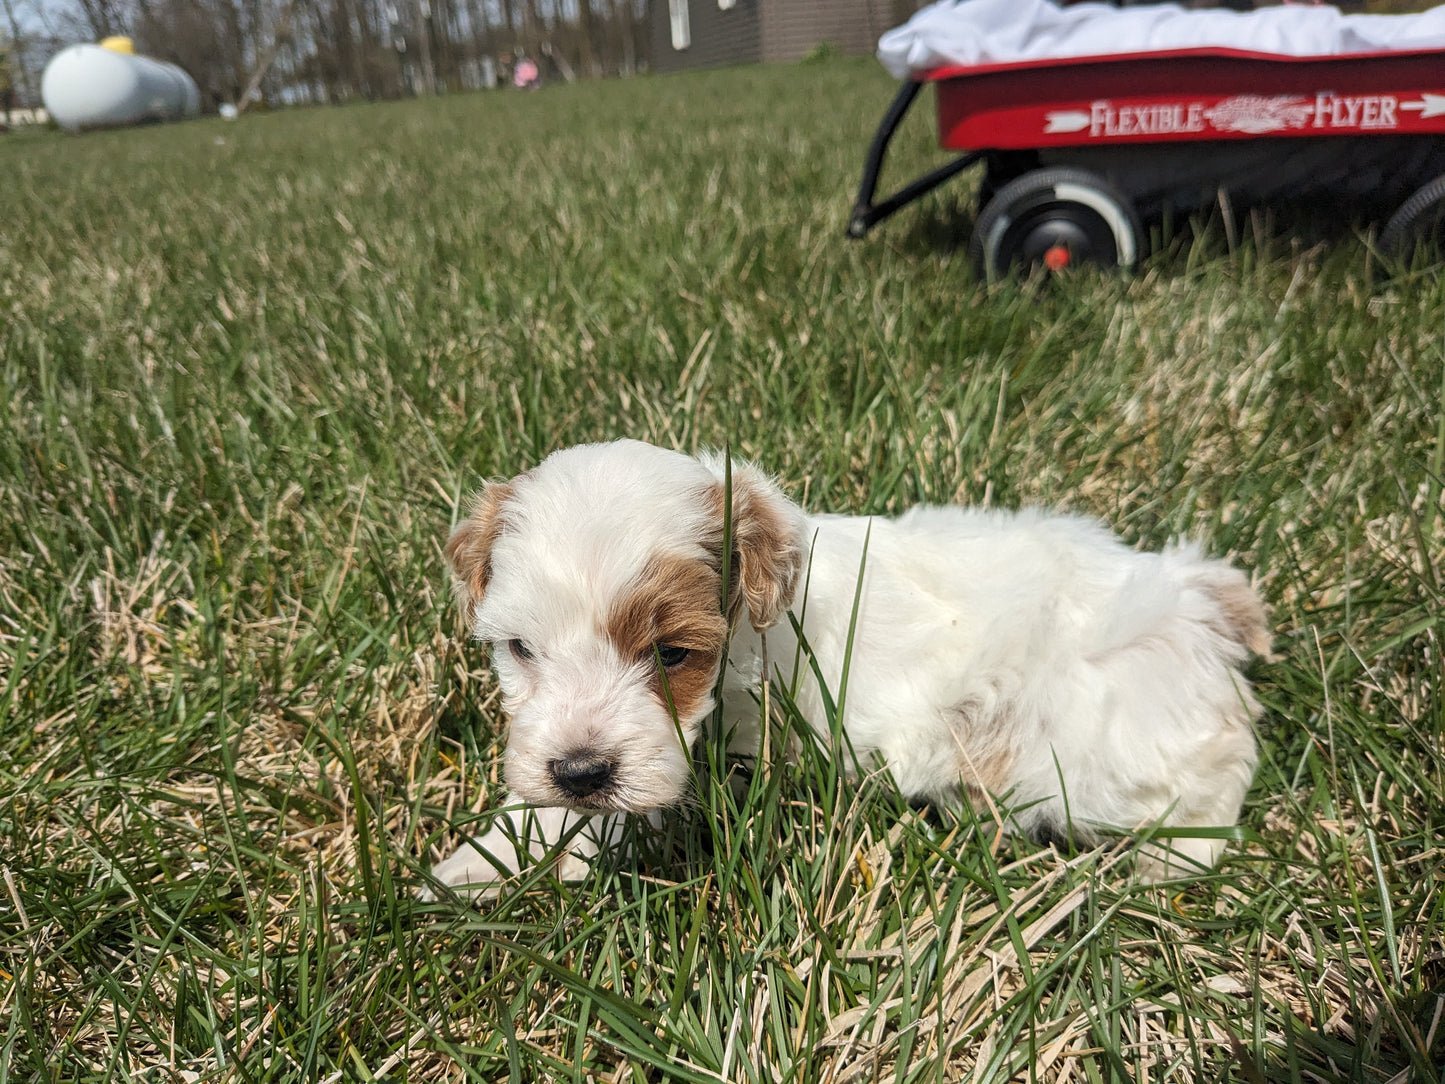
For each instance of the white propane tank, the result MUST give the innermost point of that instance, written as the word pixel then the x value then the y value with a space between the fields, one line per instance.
pixel 107 85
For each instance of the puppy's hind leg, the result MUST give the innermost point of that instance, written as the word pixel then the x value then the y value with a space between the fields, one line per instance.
pixel 1222 621
pixel 1212 802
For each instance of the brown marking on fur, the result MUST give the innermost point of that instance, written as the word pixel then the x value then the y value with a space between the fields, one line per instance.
pixel 712 495
pixel 1242 615
pixel 674 602
pixel 469 549
pixel 984 772
pixel 985 755
pixel 986 775
pixel 767 553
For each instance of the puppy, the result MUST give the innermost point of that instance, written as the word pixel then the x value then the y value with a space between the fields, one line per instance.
pixel 1026 656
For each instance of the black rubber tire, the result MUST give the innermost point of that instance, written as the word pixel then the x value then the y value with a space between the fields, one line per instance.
pixel 1420 220
pixel 1055 209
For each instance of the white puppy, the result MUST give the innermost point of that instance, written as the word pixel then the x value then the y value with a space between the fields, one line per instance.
pixel 1027 656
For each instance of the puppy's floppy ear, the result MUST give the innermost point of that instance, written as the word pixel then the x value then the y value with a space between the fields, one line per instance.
pixel 469 549
pixel 768 542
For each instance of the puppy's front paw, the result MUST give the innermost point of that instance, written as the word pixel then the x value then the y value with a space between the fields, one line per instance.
pixel 478 867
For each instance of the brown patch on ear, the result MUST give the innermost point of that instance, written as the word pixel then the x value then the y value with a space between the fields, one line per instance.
pixel 469 549
pixel 1242 616
pixel 768 552
pixel 674 602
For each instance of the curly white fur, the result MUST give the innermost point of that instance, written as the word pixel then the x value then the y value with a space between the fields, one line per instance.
pixel 1027 657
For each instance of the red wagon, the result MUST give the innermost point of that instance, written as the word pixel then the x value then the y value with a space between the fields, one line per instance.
pixel 1078 152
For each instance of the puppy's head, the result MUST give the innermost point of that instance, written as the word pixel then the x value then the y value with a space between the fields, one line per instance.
pixel 597 578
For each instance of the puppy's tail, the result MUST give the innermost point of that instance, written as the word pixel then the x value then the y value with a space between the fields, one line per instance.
pixel 1238 614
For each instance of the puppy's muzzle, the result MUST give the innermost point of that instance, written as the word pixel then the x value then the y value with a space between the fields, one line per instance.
pixel 581 774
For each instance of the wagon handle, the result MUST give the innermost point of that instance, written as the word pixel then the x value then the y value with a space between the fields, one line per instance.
pixel 866 213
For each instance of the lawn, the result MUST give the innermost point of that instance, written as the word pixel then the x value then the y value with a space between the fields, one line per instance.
pixel 251 372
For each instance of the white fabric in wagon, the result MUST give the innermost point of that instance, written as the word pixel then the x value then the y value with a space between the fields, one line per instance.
pixel 968 33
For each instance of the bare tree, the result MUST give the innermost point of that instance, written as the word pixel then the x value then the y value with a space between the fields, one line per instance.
pixel 288 51
pixel 265 57
pixel 14 60
pixel 105 18
pixel 195 35
pixel 422 35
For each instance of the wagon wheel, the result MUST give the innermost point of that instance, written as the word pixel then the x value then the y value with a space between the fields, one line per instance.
pixel 1419 221
pixel 1055 218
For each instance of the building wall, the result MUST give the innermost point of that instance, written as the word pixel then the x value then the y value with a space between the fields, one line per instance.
pixel 791 29
pixel 719 36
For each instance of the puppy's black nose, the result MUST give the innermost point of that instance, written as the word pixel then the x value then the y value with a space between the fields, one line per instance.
pixel 581 774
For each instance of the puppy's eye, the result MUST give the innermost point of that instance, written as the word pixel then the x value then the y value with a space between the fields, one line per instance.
pixel 669 655
pixel 519 650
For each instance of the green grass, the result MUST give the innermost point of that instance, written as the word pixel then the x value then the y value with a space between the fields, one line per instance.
pixel 250 371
